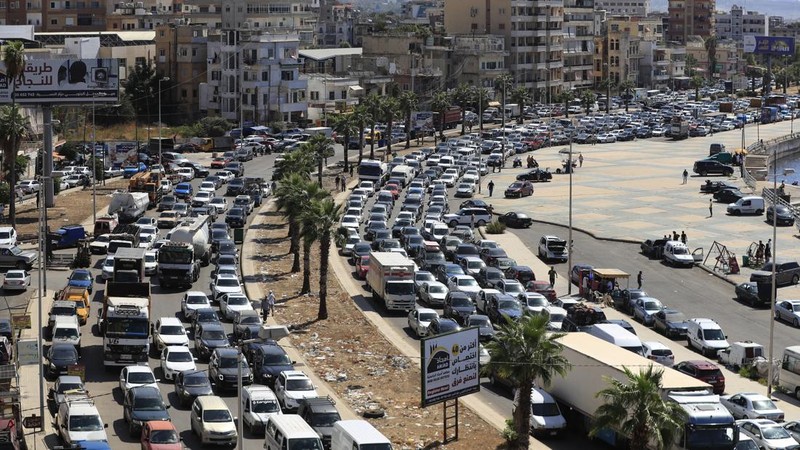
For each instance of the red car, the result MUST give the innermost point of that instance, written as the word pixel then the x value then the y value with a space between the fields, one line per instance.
pixel 704 371
pixel 160 435
pixel 519 189
pixel 393 188
pixel 219 162
pixel 542 287
pixel 362 267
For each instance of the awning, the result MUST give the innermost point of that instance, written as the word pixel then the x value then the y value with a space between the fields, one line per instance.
pixel 610 273
pixel 355 90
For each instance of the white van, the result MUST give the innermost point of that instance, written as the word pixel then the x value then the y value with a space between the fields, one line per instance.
pixel 67 329
pixel 358 435
pixel 289 431
pixel 747 205
pixel 790 370
pixel 615 334
pixel 466 152
pixel 546 418
pixel 676 253
pixel 404 173
pixel 259 403
pixel 706 336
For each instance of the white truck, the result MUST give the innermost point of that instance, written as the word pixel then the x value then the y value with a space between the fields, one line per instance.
pixel 124 323
pixel 129 206
pixel 512 110
pixel 195 232
pixel 177 265
pixel 391 279
pixel 709 425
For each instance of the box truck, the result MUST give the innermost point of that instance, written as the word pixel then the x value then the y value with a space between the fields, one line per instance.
pixel 391 280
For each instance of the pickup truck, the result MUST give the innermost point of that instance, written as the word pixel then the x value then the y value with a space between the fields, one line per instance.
pixel 653 248
pixel 113 172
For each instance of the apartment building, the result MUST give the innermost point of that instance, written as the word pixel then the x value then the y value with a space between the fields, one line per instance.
pixel 739 23
pixel 660 64
pixel 728 61
pixel 55 15
pixel 270 16
pixel 413 64
pixel 690 18
pixel 477 60
pixel 621 50
pixel 330 94
pixel 181 55
pixel 336 24
pixel 579 33
pixel 141 15
pixel 639 8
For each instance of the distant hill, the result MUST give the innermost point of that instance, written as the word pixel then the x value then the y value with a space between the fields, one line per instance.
pixel 789 9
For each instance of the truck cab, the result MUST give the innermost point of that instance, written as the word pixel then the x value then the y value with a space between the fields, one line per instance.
pixel 546 417
pixel 81 298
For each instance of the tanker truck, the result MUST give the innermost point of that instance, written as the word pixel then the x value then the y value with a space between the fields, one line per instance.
pixel 195 232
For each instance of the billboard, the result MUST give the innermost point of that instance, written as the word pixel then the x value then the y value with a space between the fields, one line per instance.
pixel 449 366
pixel 769 45
pixel 61 81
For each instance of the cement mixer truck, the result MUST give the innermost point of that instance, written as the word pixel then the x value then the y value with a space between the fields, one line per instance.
pixel 195 232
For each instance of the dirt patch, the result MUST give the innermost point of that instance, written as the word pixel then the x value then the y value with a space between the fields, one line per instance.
pixel 71 208
pixel 357 361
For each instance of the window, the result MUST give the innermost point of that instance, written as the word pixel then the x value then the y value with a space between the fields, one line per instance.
pixel 183 52
pixel 265 76
pixel 287 75
pixel 141 61
pixel 194 93
pixel 314 95
pixel 343 95
pixel 501 26
pixel 184 93
pixel 194 52
pixel 162 52
pixel 332 95
pixel 53 21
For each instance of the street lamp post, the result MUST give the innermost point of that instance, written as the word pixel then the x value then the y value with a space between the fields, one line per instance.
pixel 773 290
pixel 569 237
pixel 159 118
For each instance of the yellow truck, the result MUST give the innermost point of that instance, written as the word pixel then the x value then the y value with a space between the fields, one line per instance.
pixel 78 295
pixel 149 182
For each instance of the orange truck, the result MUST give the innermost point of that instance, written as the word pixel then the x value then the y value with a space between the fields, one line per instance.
pixel 80 296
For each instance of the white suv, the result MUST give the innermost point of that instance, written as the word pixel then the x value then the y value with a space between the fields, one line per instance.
pixel 464 217
pixel 78 420
pixel 8 236
pixel 706 336
pixel 291 387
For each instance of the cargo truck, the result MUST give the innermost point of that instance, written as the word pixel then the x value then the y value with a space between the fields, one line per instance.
pixel 709 426
pixel 177 265
pixel 391 280
pixel 678 128
pixel 124 323
pixel 769 114
pixel 195 232
pixel 129 206
pixel 129 265
pixel 149 183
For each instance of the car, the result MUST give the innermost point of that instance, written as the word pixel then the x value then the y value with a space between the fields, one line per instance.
pixel 708 166
pixel 291 387
pixel 212 422
pixel 474 203
pixel 464 190
pixel 783 215
pixel 704 371
pixel 169 331
pixel 224 369
pixel 644 308
pixel 542 287
pixel 142 404
pixel 168 219
pixel 191 384
pixel 767 434
pixel 245 202
pixel 533 302
pixel 419 319
pixel 78 421
pixel 60 356
pixel 442 325
pixel 236 217
pixel 16 280
pixel 515 220
pixel 160 435
pixel 421 277
pixel 458 306
pixel 488 276
pixel 509 287
pixel 653 248
pixel 468 216
pixel 786 272
pixel 788 310
pixel 193 301
pixel 202 198
pixel 793 428
pixel 208 337
pixel 133 376
pixel 658 352
pixel 749 405
pixel 519 189
pixel 14 257
pixel 465 284
pixel 28 186
pixel 184 190
pixel 671 323
pixel 176 359
pixel 66 385
pixel 233 303
pixel 8 236
pixel 224 284
pixel 747 292
pixel 484 326
pixel 433 293
pixel 246 324
pixel 504 308
pixel 535 175
pixel 728 195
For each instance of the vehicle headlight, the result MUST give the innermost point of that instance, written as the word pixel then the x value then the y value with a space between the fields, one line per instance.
pixel 250 377
pixel 52 366
pixel 221 377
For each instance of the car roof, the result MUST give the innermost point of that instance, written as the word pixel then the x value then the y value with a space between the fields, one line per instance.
pixel 146 391
pixel 211 402
pixel 294 374
pixel 226 352
pixel 70 379
pixel 427 310
pixel 160 425
pixel 170 321
pixel 226 275
pixel 701 364
pixel 139 369
pixel 655 345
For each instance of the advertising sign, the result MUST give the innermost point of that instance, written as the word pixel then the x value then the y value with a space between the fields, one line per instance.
pixel 28 352
pixel 21 321
pixel 449 366
pixel 61 81
pixel 769 45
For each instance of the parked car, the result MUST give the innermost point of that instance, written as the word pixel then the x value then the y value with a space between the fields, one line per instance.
pixel 515 220
pixel 787 272
pixel 519 189
pixel 704 371
pixel 788 310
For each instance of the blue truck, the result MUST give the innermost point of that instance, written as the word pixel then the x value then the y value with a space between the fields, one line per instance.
pixel 67 236
pixel 769 114
pixel 130 170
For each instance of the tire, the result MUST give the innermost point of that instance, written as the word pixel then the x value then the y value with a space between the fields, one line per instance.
pixel 737 212
pixel 795 279
pixel 796 323
pixel 759 212
pixel 777 315
pixel 481 223
pixel 453 223
pixel 797 393
pixel 702 173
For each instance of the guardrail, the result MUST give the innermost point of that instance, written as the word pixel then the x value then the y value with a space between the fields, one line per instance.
pixel 771 196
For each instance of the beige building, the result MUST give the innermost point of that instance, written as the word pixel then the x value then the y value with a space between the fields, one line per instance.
pixel 408 60
pixel 477 60
pixel 620 52
pixel 661 63
pixel 181 55
pixel 729 61
pixel 690 18
pixel 330 94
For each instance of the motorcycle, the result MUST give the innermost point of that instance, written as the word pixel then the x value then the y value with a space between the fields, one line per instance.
pixel 517 163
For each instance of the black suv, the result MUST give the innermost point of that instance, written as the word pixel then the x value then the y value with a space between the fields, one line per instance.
pixel 223 369
pixel 268 359
pixel 706 166
pixel 143 404
pixel 785 273
pixel 321 414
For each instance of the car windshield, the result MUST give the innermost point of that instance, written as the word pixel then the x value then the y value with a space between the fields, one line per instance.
pixel 12 275
pixel 437 289
pixel 164 437
pixel 180 357
pixel 762 405
pixel 311 444
pixel 65 333
pixel 299 385
pixel 148 404
pixel 545 410
pixel 277 359
pixel 250 320
pixel 514 288
pixel 480 322
pixel 225 282
pixel 64 353
pixel 557 317
pixel 217 415
pixel 196 300
pixel 5 235
pixel 535 302
pixel 237 300
pixel 466 282
pixel 197 379
pixel 172 330
pixel 795 306
pixel 461 302
pixel 265 406
pixel 61 311
pixel 85 423
pixel 775 432
pixel 653 305
pixel 141 378
pixel 447 325
pixel 214 335
pixel 399 288
pixel 427 317
pixel 230 363
pixel 80 276
pixel 64 387
pixel 713 335
pixel 475 264
pixel 508 304
pixel 324 419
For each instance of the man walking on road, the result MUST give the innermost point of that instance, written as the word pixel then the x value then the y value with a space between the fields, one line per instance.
pixel 553 275
pixel 639 279
pixel 580 160
pixel 710 208
pixel 685 175
pixel 491 187
pixel 268 305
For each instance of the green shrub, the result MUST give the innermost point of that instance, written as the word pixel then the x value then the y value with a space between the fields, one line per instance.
pixel 56 185
pixel 509 433
pixel 495 228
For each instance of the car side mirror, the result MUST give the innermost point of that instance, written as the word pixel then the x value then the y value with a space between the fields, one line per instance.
pixel 105 425
pixel 168 406
pixel 294 362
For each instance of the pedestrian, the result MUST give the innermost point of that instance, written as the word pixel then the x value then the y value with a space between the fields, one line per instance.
pixel 674 235
pixel 683 237
pixel 268 305
pixel 480 181
pixel 491 187
pixel 768 251
pixel 685 176
pixel 553 275
pixel 639 279
pixel 338 187
pixel 585 286
pixel 710 208
pixel 351 170
pixel 273 187
pixel 472 221
pixel 580 160
pixel 344 183
pixel 760 252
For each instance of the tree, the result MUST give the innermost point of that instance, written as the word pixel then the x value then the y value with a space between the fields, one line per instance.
pixel 502 84
pixel 313 193
pixel 625 91
pixel 463 96
pixel 636 409
pixel 361 117
pixel 606 85
pixel 345 125
pixel 711 49
pixel 525 352
pixel 12 124
pixel 588 98
pixel 697 82
pixel 300 163
pixel 372 103
pixel 440 104
pixel 142 86
pixel 565 97
pixel 325 214
pixel 521 96
pixel 408 102
pixel 212 127
pixel 389 109
pixel 691 66
pixel 320 147
pixel 290 196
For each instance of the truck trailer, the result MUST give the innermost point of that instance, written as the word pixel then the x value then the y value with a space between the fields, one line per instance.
pixel 709 425
pixel 195 232
pixel 124 323
pixel 391 280
pixel 129 206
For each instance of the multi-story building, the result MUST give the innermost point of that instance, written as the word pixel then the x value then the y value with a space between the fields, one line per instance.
pixel 579 33
pixel 739 23
pixel 413 65
pixel 533 34
pixel 128 47
pixel 56 15
pixel 336 24
pixel 728 58
pixel 271 16
pixel 329 94
pixel 639 8
pixel 661 63
pixel 620 51
pixel 254 77
pixel 181 55
pixel 690 18
pixel 141 15
pixel 419 11
pixel 476 60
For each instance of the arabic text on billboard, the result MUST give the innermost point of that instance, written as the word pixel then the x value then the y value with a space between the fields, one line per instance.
pixel 63 81
pixel 769 45
pixel 449 366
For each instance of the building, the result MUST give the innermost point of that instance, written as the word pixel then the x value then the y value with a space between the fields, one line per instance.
pixel 254 77
pixel 268 16
pixel 330 94
pixel 738 23
pixel 336 24
pixel 477 60
pixel 728 59
pixel 661 63
pixel 406 57
pixel 56 15
pixel 690 18
pixel 533 32
pixel 181 55
pixel 141 16
pixel 579 33
pixel 639 8
pixel 620 52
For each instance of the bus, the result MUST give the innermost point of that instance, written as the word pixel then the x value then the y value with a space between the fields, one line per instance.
pixel 372 170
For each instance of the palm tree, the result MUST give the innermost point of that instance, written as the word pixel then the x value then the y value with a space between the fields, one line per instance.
pixel 290 196
pixel 345 125
pixel 14 127
pixel 361 117
pixel 697 82
pixel 502 84
pixel 521 96
pixel 606 85
pixel 440 104
pixel 565 97
pixel 389 109
pixel 372 103
pixel 636 409
pixel 325 215
pixel 313 193
pixel 588 98
pixel 625 91
pixel 320 147
pixel 14 60
pixel 301 163
pixel 462 96
pixel 408 103
pixel 525 352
